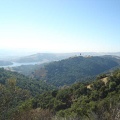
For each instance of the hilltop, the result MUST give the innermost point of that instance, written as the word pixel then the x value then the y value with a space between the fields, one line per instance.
pixel 74 69
pixel 48 57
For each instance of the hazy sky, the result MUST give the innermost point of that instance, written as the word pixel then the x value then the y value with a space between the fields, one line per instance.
pixel 60 25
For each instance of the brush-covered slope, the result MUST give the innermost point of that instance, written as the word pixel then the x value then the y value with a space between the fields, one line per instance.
pixel 32 85
pixel 17 92
pixel 68 71
pixel 100 101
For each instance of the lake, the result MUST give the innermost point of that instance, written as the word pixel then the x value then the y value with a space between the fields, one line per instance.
pixel 19 64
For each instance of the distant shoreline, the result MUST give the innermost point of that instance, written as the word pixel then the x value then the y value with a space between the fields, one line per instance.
pixel 15 64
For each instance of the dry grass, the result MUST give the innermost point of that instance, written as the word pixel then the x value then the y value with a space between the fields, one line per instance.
pixel 105 80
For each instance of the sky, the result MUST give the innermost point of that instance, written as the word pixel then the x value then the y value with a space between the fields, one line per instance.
pixel 60 25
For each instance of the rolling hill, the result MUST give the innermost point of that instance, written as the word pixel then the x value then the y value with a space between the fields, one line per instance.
pixel 23 98
pixel 48 57
pixel 32 85
pixel 79 102
pixel 74 69
pixel 42 57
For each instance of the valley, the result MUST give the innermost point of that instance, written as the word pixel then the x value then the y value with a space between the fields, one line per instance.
pixel 71 70
pixel 61 89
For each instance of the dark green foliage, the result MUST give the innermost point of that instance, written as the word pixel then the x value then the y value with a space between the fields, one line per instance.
pixel 34 86
pixel 68 71
pixel 96 103
pixel 11 97
pixel 16 94
pixel 98 100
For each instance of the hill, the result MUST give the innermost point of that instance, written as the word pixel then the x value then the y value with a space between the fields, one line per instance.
pixel 77 102
pixel 42 57
pixel 47 57
pixel 100 102
pixel 74 69
pixel 26 70
pixel 17 91
pixel 32 85
pixel 22 98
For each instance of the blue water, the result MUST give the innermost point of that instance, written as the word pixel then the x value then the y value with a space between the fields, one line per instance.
pixel 19 64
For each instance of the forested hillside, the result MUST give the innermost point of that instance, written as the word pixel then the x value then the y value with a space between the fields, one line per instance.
pixel 34 98
pixel 98 100
pixel 27 70
pixel 69 71
pixel 32 85
pixel 17 92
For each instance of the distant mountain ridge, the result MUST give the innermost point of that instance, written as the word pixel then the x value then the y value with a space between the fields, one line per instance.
pixel 48 57
pixel 43 57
